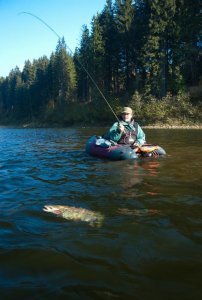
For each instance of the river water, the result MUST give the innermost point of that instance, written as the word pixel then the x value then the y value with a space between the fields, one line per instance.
pixel 150 243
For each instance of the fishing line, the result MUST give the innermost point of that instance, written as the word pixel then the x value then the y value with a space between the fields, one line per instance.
pixel 93 81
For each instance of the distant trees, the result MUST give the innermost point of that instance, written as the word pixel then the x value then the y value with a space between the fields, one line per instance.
pixel 41 83
pixel 83 60
pixel 64 74
pixel 150 47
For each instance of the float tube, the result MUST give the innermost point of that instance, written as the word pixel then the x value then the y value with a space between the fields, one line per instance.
pixel 99 147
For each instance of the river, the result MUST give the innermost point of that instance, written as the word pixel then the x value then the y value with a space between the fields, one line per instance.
pixel 150 243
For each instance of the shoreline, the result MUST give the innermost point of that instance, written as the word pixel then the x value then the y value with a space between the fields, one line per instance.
pixel 172 126
pixel 154 126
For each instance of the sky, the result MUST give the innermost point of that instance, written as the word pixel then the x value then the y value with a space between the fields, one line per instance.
pixel 24 37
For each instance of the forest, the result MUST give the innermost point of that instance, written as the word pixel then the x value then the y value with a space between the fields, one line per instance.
pixel 145 54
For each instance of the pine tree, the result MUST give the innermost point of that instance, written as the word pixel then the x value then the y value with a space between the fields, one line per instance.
pixel 52 85
pixel 98 51
pixel 4 100
pixel 28 73
pixel 83 61
pixel 64 74
pixel 187 41
pixel 27 101
pixel 156 49
pixel 40 88
pixel 110 45
pixel 124 11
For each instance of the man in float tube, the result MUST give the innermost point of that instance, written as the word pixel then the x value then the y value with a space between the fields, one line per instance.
pixel 127 131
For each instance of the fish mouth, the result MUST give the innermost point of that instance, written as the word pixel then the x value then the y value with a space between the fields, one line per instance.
pixel 51 209
pixel 47 208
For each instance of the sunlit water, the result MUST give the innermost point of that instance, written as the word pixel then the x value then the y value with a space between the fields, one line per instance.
pixel 150 244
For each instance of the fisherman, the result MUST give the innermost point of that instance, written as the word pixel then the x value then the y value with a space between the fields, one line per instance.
pixel 127 131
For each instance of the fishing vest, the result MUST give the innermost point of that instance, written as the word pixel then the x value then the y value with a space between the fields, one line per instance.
pixel 130 135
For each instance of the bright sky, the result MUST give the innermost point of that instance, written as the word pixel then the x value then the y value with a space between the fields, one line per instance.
pixel 23 37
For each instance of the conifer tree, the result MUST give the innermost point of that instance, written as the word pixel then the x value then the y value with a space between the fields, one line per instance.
pixel 28 78
pixel 28 73
pixel 14 84
pixel 64 73
pixel 84 61
pixel 40 88
pixel 52 84
pixel 98 51
pixel 110 44
pixel 160 19
pixel 124 18
pixel 4 92
pixel 187 42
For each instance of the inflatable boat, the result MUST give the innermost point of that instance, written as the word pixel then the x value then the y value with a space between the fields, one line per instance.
pixel 99 147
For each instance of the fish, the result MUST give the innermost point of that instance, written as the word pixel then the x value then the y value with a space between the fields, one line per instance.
pixel 76 214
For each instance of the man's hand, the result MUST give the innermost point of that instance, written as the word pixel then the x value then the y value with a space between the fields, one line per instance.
pixel 121 128
pixel 135 146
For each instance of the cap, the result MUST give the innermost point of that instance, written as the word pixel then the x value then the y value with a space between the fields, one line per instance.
pixel 127 110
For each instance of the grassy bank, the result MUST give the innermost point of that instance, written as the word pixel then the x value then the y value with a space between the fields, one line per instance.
pixel 169 112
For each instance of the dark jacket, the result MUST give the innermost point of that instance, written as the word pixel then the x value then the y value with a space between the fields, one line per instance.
pixel 133 133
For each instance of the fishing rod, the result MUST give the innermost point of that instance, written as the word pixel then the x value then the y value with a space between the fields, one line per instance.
pixel 93 81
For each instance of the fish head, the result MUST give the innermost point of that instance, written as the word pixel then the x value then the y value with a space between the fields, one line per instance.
pixel 54 209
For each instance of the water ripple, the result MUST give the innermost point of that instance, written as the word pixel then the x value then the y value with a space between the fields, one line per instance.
pixel 149 245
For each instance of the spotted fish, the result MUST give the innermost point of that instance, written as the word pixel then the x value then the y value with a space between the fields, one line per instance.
pixel 75 214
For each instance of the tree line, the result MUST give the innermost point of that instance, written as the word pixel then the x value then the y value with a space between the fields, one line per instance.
pixel 143 49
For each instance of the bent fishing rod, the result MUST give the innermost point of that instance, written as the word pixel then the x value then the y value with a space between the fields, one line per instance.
pixel 93 81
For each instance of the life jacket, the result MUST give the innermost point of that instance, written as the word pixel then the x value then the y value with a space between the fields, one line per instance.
pixel 130 135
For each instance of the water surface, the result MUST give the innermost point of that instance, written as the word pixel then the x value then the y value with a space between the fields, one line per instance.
pixel 150 244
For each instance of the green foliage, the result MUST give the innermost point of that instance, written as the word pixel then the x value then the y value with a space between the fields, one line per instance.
pixel 64 73
pixel 83 61
pixel 151 110
pixel 143 53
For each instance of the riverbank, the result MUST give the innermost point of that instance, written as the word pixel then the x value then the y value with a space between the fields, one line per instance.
pixel 167 126
pixel 151 126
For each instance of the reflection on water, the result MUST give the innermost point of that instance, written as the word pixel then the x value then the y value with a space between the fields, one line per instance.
pixel 149 245
pixel 138 212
